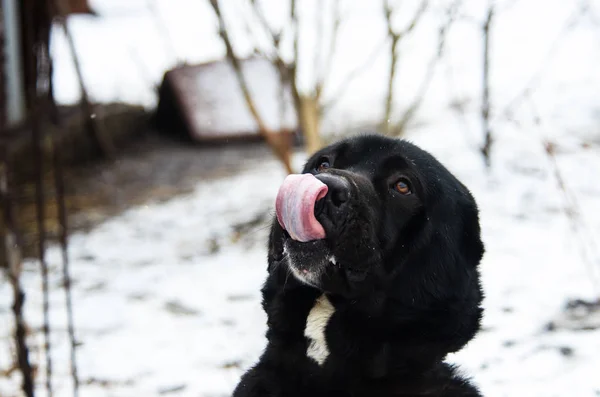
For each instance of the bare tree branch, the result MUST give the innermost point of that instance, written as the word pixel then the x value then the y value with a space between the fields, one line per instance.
pixel 283 68
pixel 538 75
pixel 355 73
pixel 307 109
pixel 588 247
pixel 326 69
pixel 102 140
pixel 320 31
pixel 280 146
pixel 250 33
pixel 409 113
pixel 485 100
pixel 275 36
pixel 396 37
pixel 21 330
pixel 296 46
pixel 413 23
pixel 37 139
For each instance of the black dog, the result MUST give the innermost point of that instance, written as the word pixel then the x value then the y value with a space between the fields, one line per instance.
pixel 373 277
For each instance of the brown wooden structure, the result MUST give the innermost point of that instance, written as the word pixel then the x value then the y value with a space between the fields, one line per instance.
pixel 206 103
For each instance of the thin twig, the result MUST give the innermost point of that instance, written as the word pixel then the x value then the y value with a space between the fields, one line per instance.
pixel 283 68
pixel 13 270
pixel 353 75
pixel 38 66
pixel 288 75
pixel 307 107
pixel 485 100
pixel 320 30
pixel 235 63
pixel 37 137
pixel 396 37
pixel 573 212
pixel 296 51
pixel 538 75
pixel 275 36
pixel 276 142
pixel 59 186
pixel 246 18
pixel 324 71
pixel 282 102
pixel 21 331
pixel 102 140
pixel 409 113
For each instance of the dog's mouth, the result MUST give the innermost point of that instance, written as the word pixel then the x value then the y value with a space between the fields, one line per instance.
pixel 310 262
pixel 299 200
pixel 312 212
pixel 296 206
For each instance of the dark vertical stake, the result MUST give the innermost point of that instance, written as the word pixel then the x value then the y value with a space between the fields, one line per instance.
pixel 103 140
pixel 11 245
pixel 34 66
pixel 485 105
pixel 62 217
pixel 59 188
pixel 3 102
pixel 13 269
pixel 37 136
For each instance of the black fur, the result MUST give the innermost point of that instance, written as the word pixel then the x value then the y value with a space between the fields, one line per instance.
pixel 404 283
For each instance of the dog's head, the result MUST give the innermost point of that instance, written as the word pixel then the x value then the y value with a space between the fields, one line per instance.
pixel 376 214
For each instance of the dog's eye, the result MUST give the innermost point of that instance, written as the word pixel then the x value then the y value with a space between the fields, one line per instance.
pixel 323 165
pixel 403 187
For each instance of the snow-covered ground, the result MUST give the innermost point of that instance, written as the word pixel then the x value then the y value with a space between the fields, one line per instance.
pixel 167 294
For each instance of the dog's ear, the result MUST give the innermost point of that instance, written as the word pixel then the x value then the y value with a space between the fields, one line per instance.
pixel 455 233
pixel 446 248
pixel 471 246
pixel 439 277
pixel 453 223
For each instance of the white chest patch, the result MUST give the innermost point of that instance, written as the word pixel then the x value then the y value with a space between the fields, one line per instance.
pixel 316 322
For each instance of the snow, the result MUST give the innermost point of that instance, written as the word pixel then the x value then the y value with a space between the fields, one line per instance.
pixel 167 294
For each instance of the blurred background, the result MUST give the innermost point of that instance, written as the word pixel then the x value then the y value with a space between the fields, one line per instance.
pixel 142 144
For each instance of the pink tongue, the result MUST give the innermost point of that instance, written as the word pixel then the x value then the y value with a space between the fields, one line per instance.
pixel 295 206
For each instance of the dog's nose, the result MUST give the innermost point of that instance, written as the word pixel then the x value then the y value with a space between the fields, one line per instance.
pixel 338 190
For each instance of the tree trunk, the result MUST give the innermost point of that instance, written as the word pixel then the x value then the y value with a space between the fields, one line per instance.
pixel 386 123
pixel 309 120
